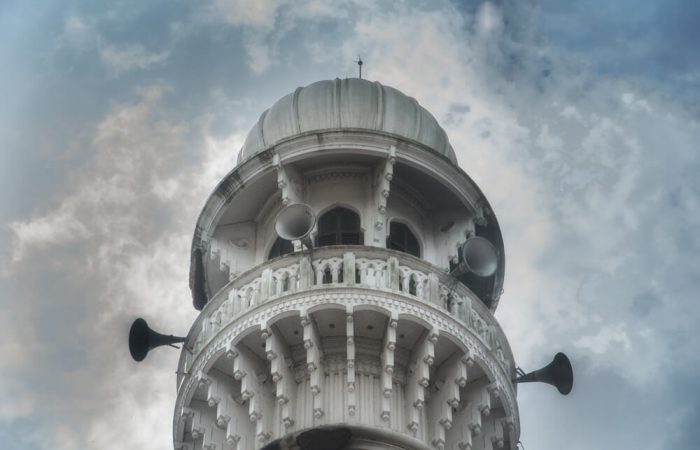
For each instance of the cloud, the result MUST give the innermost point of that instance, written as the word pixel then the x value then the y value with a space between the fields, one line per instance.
pixel 258 19
pixel 77 32
pixel 593 181
pixel 253 13
pixel 58 228
pixel 606 337
pixel 258 55
pixel 116 243
pixel 267 24
pixel 83 34
pixel 124 59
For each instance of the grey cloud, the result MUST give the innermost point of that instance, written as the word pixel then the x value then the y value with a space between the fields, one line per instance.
pixel 644 303
pixel 648 40
pixel 75 300
pixel 133 57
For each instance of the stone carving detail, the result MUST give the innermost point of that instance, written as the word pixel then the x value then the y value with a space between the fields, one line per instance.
pixel 250 373
pixel 314 354
pixel 440 391
pixel 359 175
pixel 351 270
pixel 282 375
pixel 382 186
pixel 350 357
pixel 289 181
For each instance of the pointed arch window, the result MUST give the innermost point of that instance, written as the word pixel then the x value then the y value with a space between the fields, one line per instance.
pixel 402 239
pixel 339 226
pixel 280 247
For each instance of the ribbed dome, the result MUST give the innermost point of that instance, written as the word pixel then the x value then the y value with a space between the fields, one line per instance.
pixel 351 103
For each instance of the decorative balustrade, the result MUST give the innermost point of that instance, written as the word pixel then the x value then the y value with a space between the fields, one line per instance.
pixel 348 266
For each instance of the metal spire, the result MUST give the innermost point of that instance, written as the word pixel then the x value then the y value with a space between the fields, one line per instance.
pixel 359 64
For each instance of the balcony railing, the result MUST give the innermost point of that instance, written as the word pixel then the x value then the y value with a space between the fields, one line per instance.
pixel 348 266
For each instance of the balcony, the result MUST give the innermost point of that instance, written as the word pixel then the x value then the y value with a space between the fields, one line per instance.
pixel 359 267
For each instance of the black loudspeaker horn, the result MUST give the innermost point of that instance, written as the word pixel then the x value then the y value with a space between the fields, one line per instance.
pixel 295 222
pixel 479 257
pixel 198 281
pixel 558 373
pixel 142 339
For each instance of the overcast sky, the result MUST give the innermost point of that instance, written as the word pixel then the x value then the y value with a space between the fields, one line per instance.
pixel 579 121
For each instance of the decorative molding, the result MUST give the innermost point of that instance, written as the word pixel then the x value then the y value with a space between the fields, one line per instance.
pixel 384 275
pixel 474 348
pixel 307 145
pixel 337 174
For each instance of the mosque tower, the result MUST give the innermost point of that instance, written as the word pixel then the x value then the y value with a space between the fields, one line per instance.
pixel 372 328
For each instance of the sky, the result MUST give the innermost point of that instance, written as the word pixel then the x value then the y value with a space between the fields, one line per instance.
pixel 579 121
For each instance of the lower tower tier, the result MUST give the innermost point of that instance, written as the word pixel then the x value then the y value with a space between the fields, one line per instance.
pixel 397 364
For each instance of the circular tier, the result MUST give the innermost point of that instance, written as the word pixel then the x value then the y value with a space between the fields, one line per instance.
pixel 336 355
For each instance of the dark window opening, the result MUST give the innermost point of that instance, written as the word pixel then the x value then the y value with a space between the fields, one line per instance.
pixel 327 276
pixel 402 239
pixel 280 247
pixel 412 286
pixel 339 226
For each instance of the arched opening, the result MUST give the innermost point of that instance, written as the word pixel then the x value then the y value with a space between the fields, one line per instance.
pixel 402 239
pixel 280 247
pixel 339 226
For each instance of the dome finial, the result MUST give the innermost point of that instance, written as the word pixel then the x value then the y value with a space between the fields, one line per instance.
pixel 359 64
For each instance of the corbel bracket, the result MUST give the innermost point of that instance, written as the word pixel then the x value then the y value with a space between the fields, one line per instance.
pixel 289 181
pixel 383 174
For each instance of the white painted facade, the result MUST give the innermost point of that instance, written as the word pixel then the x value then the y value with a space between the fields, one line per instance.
pixel 385 344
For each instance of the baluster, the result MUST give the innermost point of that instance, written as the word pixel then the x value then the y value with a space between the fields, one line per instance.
pixel 306 273
pixel 264 286
pixel 245 299
pixel 420 283
pixel 433 294
pixel 227 308
pixel 216 321
pixel 255 297
pixel 334 273
pixel 206 327
pixel 234 300
pixel 391 274
pixel 464 307
pixel 403 283
pixel 491 330
pixel 319 275
pixel 349 268
pixel 279 283
pixel 211 324
pixel 293 280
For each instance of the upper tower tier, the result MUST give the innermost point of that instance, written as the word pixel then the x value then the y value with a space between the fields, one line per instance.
pixel 352 103
pixel 377 170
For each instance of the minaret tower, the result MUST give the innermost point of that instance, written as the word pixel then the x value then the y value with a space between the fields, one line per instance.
pixel 373 327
